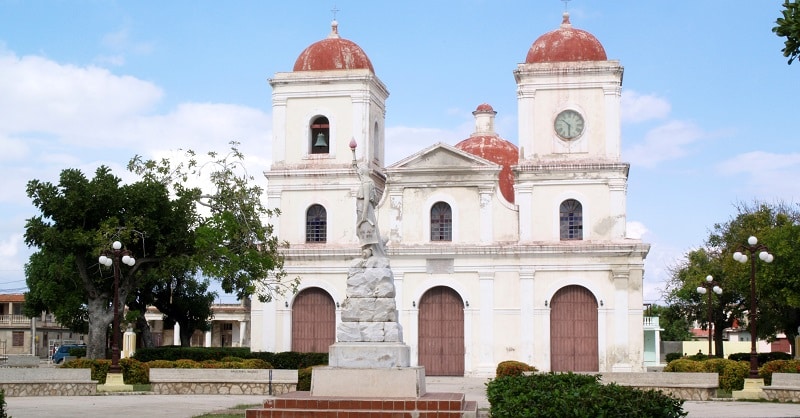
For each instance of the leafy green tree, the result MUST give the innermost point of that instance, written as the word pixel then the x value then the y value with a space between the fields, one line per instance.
pixel 777 283
pixel 234 243
pixel 685 299
pixel 159 220
pixel 674 324
pixel 79 218
pixel 186 300
pixel 788 27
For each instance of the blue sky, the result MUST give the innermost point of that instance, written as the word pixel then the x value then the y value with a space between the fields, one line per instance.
pixel 709 103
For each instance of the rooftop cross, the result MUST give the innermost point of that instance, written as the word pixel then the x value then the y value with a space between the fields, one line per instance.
pixel 334 11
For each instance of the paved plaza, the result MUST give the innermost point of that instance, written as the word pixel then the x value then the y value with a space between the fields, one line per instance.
pixel 186 406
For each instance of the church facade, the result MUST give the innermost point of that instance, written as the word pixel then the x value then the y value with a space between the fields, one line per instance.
pixel 499 252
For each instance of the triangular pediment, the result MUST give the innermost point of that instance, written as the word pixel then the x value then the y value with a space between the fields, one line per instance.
pixel 442 156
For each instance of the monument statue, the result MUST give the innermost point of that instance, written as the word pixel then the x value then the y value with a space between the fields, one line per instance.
pixel 366 224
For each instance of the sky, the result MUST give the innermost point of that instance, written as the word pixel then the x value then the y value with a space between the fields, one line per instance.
pixel 709 104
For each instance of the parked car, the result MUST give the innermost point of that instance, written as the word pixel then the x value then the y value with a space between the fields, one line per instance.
pixel 63 351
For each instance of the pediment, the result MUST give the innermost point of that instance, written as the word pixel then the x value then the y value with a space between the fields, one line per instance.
pixel 442 156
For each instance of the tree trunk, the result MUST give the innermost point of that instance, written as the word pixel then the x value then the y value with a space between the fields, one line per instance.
pixel 719 329
pixel 147 335
pixel 99 317
pixel 186 335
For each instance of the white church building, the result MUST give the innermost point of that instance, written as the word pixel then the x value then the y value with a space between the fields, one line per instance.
pixel 499 252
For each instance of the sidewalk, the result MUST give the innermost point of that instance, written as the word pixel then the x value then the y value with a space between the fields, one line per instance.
pixel 187 406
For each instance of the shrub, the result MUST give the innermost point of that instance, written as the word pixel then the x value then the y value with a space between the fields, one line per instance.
pixel 134 372
pixel 232 359
pixel 513 368
pixel 187 364
pixel 684 365
pixel 778 366
pixel 731 373
pixel 574 395
pixel 77 352
pixel 161 364
pixel 304 378
pixel 672 356
pixel 3 404
pixel 99 367
pixel 256 363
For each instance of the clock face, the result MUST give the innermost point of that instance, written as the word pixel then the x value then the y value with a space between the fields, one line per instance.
pixel 569 124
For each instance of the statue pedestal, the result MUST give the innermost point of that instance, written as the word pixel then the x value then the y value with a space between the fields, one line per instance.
pixel 364 355
pixel 399 382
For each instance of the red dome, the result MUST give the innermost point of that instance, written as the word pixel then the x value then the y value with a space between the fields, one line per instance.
pixel 485 107
pixel 498 151
pixel 566 44
pixel 333 53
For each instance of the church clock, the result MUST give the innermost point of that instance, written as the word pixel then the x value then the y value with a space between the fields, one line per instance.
pixel 569 124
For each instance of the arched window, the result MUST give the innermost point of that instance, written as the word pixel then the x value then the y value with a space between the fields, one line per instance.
pixel 571 220
pixel 316 224
pixel 320 136
pixel 441 222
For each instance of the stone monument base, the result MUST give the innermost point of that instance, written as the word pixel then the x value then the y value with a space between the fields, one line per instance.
pixel 367 355
pixel 400 382
pixel 114 383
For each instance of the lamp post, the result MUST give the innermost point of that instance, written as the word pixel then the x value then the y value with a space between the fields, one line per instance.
pixel 704 288
pixel 112 258
pixel 752 248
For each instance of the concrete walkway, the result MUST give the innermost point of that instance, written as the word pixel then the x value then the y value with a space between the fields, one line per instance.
pixel 187 406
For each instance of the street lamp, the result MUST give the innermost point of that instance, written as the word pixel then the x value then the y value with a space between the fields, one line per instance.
pixel 703 289
pixel 753 247
pixel 111 258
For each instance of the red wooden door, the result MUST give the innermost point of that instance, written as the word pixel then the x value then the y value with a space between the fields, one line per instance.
pixel 441 332
pixel 313 321
pixel 573 330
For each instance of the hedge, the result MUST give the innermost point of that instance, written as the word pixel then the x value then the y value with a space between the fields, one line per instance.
pixel 513 368
pixel 575 395
pixel 289 360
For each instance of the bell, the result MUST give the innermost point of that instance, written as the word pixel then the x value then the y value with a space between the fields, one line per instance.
pixel 321 142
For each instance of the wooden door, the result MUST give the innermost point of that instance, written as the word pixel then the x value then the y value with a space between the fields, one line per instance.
pixel 573 330
pixel 441 332
pixel 313 321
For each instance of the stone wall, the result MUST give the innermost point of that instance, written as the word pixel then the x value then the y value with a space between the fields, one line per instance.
pixel 222 388
pixel 222 381
pixel 47 382
pixel 686 386
pixel 48 388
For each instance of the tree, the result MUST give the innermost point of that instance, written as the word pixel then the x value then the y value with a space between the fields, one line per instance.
pixel 234 243
pixel 788 26
pixel 676 326
pixel 777 284
pixel 683 295
pixel 158 218
pixel 79 218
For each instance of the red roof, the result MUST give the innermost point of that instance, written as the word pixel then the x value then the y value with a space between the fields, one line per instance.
pixel 566 44
pixel 333 53
pixel 12 297
pixel 498 151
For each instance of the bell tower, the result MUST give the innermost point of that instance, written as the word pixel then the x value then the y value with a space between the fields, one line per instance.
pixel 331 97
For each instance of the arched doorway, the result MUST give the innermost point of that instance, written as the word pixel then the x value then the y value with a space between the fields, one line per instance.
pixel 313 321
pixel 441 332
pixel 573 330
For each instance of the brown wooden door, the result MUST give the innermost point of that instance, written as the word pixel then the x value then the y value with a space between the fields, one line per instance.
pixel 441 332
pixel 573 330
pixel 313 321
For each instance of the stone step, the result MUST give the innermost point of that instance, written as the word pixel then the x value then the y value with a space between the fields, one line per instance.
pixel 302 404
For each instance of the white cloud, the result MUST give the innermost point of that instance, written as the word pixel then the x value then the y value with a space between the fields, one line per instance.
pixel 765 174
pixel 666 142
pixel 635 107
pixel 76 103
